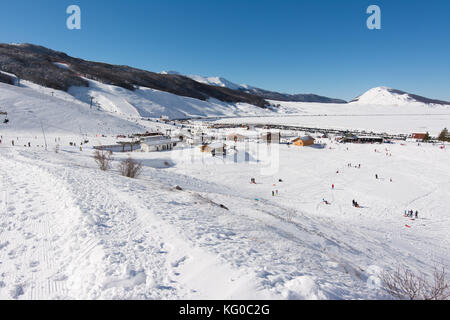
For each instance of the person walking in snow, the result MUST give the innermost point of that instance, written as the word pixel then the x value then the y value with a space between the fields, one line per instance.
pixel 417 214
pixel 376 176
pixel 12 142
pixel 332 186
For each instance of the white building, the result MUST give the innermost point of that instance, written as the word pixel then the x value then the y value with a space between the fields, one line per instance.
pixel 157 143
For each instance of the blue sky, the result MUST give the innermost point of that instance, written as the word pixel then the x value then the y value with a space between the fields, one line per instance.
pixel 293 46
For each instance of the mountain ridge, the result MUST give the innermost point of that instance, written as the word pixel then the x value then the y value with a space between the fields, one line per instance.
pixel 37 64
pixel 263 93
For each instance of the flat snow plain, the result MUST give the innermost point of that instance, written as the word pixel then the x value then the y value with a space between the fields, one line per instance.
pixel 400 119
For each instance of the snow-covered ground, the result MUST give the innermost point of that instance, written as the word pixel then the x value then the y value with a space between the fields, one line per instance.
pixel 68 230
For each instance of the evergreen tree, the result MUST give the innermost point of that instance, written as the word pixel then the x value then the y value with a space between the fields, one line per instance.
pixel 443 136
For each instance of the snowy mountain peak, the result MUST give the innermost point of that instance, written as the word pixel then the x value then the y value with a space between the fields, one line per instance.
pixel 212 81
pixel 217 81
pixel 266 94
pixel 389 96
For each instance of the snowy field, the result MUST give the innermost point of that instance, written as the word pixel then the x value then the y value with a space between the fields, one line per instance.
pixel 68 230
pixel 355 116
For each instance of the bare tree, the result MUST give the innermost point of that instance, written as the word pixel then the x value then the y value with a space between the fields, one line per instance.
pixel 103 159
pixel 130 168
pixel 440 288
pixel 403 284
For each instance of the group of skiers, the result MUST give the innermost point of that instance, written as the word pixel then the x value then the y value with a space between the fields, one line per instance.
pixel 28 144
pixel 274 192
pixel 13 143
pixel 411 214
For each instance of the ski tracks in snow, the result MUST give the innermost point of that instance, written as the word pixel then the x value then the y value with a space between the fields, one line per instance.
pixel 34 225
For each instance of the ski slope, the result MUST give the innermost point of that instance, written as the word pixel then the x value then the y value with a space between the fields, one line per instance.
pixel 142 102
pixel 114 110
pixel 30 106
pixel 150 103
